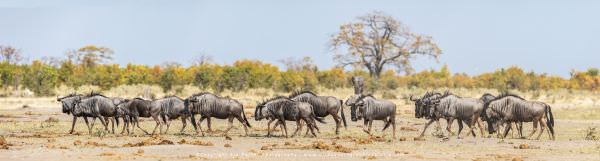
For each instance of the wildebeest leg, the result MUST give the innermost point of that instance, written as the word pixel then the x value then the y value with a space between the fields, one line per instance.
pixel 125 125
pixel 425 128
pixel 535 122
pixel 193 120
pixel 113 124
pixel 365 126
pixel 370 127
pixel 298 127
pixel 506 129
pixel 230 122
pixel 460 127
pixel 73 125
pixel 157 120
pixel 269 127
pixel 471 128
pixel 200 124
pixel 542 127
pixel 284 127
pixel 208 124
pixel 167 122
pixel 394 127
pixel 338 122
pixel 310 124
pixel 520 128
pixel 480 127
pixel 184 123
pixel 103 123
pixel 88 125
pixel 137 123
pixel 243 122
pixel 449 122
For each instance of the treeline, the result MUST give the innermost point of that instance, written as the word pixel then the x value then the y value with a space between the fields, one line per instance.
pixel 43 78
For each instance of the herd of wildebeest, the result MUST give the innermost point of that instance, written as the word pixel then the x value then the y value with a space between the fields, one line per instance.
pixel 304 107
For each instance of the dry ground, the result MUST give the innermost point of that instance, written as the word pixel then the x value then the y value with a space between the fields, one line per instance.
pixel 29 134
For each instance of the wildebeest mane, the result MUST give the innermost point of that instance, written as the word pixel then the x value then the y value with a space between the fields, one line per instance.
pixel 296 93
pixel 273 98
pixel 364 96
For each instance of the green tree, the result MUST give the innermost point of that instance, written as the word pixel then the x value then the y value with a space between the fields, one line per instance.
pixel 41 78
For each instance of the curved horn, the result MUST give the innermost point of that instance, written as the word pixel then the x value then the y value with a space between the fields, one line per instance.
pixel 412 99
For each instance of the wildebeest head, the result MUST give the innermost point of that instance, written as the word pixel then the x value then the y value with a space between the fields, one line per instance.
pixel 358 109
pixel 68 102
pixel 419 105
pixel 262 108
pixel 492 119
pixel 77 107
pixel 350 101
pixel 258 111
pixel 122 107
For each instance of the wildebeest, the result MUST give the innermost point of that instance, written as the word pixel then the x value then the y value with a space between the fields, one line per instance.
pixel 323 106
pixel 509 108
pixel 138 107
pixel 209 105
pixel 68 104
pixel 358 83
pixel 172 107
pixel 519 127
pixel 368 108
pixel 423 108
pixel 465 110
pixel 282 109
pixel 97 106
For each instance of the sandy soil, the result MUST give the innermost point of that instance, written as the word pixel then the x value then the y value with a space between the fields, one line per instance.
pixel 29 134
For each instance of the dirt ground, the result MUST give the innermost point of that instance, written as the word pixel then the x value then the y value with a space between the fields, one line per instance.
pixel 36 133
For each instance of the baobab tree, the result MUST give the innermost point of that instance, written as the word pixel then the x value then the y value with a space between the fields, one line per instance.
pixel 377 40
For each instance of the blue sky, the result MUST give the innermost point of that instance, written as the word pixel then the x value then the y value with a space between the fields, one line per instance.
pixel 476 36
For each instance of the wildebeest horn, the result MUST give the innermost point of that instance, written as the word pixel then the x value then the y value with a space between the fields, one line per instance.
pixel 412 99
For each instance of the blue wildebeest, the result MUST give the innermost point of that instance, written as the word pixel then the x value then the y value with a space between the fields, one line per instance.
pixel 423 108
pixel 136 108
pixel 283 109
pixel 97 106
pixel 368 108
pixel 323 106
pixel 68 103
pixel 509 108
pixel 167 109
pixel 465 110
pixel 209 105
pixel 173 107
pixel 519 127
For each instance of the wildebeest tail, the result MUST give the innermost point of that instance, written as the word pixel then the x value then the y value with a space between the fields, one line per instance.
pixel 549 119
pixel 312 112
pixel 387 124
pixel 244 116
pixel 342 111
pixel 117 121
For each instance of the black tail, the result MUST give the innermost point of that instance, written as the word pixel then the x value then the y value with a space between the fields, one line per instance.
pixel 320 119
pixel 343 117
pixel 387 124
pixel 315 116
pixel 244 116
pixel 550 119
pixel 117 121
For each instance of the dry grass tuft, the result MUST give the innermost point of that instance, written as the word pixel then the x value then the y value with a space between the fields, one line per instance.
pixel 3 143
pixel 197 142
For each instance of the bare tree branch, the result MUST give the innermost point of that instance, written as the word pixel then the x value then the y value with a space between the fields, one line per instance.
pixel 377 40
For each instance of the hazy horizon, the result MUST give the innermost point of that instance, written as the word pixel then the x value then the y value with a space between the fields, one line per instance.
pixel 476 37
